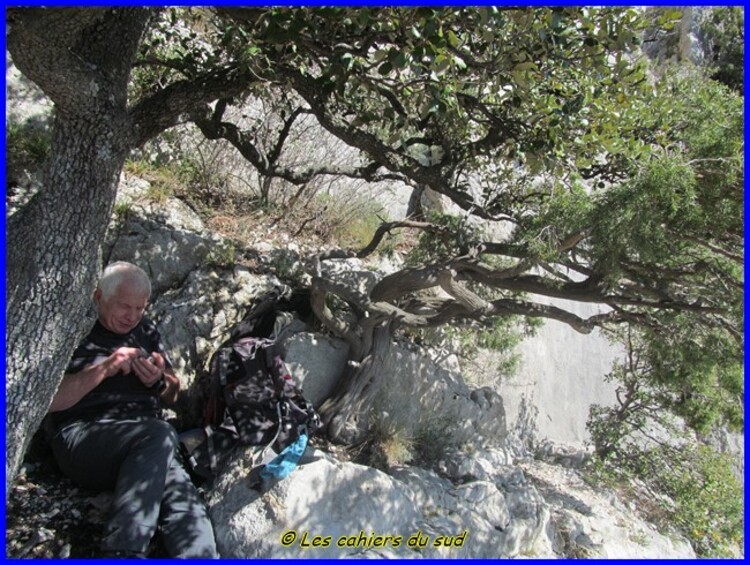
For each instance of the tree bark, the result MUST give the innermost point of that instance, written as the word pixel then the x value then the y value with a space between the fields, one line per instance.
pixel 81 60
pixel 52 271
pixel 347 413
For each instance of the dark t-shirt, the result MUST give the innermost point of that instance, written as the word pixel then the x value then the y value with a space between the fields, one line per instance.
pixel 119 396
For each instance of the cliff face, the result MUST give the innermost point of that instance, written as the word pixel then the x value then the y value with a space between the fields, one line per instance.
pixel 560 375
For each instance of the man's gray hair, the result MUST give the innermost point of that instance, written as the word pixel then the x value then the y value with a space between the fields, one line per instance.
pixel 119 272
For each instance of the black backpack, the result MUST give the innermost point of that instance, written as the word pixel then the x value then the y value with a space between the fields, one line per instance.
pixel 252 399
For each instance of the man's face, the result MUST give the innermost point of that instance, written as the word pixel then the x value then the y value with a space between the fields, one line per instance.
pixel 122 311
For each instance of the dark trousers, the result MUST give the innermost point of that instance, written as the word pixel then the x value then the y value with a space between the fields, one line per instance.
pixel 138 460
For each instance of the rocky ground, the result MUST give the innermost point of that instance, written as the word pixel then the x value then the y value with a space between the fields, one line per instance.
pixel 50 517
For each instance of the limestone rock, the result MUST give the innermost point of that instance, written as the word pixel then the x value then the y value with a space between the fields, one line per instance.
pixel 167 240
pixel 316 362
pixel 334 509
pixel 418 395
pixel 327 500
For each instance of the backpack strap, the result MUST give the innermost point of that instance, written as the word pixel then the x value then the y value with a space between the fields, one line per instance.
pixel 224 353
pixel 263 457
pixel 276 367
pixel 213 412
pixel 212 460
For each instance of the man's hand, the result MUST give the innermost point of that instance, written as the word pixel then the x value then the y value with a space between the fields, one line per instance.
pixel 75 386
pixel 149 369
pixel 121 361
pixel 170 387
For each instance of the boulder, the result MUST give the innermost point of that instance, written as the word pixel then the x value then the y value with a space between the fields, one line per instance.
pixel 417 395
pixel 329 508
pixel 316 363
pixel 426 399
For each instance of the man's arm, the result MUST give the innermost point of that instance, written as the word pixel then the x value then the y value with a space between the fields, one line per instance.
pixel 75 386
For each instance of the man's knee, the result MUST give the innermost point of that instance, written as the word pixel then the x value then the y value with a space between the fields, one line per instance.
pixel 160 432
pixel 157 439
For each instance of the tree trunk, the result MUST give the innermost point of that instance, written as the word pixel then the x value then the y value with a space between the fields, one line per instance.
pixel 347 413
pixel 53 260
pixel 414 210
pixel 81 59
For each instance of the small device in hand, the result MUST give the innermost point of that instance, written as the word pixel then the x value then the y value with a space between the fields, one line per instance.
pixel 161 384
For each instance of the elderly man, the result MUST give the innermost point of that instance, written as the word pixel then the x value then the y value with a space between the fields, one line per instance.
pixel 107 434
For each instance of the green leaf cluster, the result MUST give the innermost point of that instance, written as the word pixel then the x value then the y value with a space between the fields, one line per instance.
pixel 697 372
pixel 180 43
pixel 455 234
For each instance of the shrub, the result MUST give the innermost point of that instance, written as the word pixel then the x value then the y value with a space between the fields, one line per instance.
pixel 690 488
pixel 389 444
pixel 342 218
pixel 223 255
pixel 433 440
pixel 708 499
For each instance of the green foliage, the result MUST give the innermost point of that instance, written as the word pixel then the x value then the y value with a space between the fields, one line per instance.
pixel 122 211
pixel 223 255
pixel 427 73
pixel 453 236
pixel 177 46
pixel 696 374
pixel 433 441
pixel 636 219
pixel 722 31
pixel 690 488
pixel 353 226
pixel 199 177
pixel 204 187
pixel 702 368
pixel 501 335
pixel 163 179
pixel 691 371
pixel 708 500
pixel 566 211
